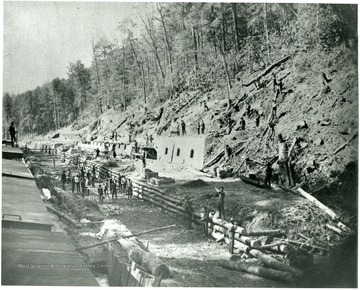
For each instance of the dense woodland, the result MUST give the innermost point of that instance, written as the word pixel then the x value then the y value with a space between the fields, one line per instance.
pixel 179 47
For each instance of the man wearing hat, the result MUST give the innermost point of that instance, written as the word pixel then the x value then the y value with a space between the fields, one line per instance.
pixel 221 196
pixel 231 235
pixel 205 220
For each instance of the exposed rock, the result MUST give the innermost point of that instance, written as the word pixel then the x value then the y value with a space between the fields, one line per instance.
pixel 319 141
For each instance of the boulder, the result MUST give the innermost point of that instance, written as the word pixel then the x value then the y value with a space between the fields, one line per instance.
pixel 301 125
pixel 319 142
pixel 57 135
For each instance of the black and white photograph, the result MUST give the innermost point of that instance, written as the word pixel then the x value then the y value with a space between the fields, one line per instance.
pixel 180 144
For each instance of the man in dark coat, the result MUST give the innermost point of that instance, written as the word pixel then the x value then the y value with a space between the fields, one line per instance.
pixel 205 221
pixel 231 235
pixel 101 193
pixel 202 127
pixel 268 175
pixel 189 212
pixel 12 133
pixel 63 179
pixel 221 197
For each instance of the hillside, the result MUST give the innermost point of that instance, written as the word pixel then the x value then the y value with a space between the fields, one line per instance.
pixel 303 100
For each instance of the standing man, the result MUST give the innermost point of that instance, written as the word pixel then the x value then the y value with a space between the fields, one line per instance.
pixel 97 152
pixel 101 193
pixel 73 184
pixel 268 175
pixel 69 176
pixel 77 182
pixel 283 161
pixel 205 221
pixel 63 179
pixel 183 127
pixel 198 128
pixel 119 184
pixel 189 211
pixel 231 235
pixel 12 133
pixel 129 188
pixel 221 197
pixel 83 187
pixel 113 191
pixel 106 188
pixel 202 127
pixel 143 159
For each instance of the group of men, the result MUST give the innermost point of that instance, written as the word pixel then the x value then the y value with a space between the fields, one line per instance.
pixel 110 187
pixel 81 181
pixel 200 128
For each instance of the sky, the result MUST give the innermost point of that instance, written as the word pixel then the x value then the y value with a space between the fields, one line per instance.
pixel 42 38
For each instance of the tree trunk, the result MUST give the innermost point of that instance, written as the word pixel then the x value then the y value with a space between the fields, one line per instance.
pixel 145 259
pixel 257 270
pixel 140 65
pixel 195 49
pixel 223 26
pixel 124 68
pixel 266 34
pixel 236 26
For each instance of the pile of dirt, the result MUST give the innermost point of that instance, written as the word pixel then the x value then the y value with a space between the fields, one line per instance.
pixel 194 183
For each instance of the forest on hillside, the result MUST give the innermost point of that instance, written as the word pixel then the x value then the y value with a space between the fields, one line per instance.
pixel 177 47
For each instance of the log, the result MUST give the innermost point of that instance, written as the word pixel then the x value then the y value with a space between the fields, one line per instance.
pixel 279 246
pixel 215 160
pixel 125 237
pixel 145 259
pixel 272 233
pixel 267 70
pixel 240 238
pixel 335 229
pixel 65 217
pixel 292 146
pixel 345 144
pixel 328 211
pixel 267 260
pixel 257 270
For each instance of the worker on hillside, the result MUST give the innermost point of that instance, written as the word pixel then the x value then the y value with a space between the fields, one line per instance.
pixel 205 220
pixel 198 128
pixel 97 152
pixel 202 127
pixel 12 132
pixel 257 118
pixel 101 193
pixel 183 127
pixel 143 159
pixel 63 179
pixel 268 175
pixel 242 124
pixel 231 235
pixel 228 153
pixel 221 198
pixel 283 161
pixel 189 212
pixel 129 188
pixel 151 139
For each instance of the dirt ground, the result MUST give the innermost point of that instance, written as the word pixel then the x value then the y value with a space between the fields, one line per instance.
pixel 192 258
